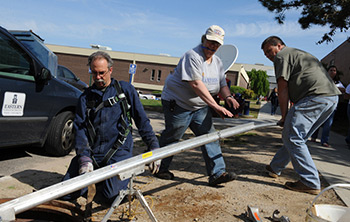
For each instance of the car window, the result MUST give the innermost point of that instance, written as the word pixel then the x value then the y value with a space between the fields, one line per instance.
pixel 63 72
pixel 14 61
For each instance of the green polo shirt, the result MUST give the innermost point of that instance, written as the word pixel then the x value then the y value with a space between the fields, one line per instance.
pixel 304 73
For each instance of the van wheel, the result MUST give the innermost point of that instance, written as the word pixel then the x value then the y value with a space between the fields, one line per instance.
pixel 60 140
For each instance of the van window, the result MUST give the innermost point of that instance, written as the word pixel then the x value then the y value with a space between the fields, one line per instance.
pixel 14 61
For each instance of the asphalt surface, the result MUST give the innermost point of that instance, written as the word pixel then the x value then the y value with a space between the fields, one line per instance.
pixel 332 162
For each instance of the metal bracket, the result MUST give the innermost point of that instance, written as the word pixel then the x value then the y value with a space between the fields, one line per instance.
pixel 131 172
pixel 8 215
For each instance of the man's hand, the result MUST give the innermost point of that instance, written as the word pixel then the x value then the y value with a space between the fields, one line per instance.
pixel 280 123
pixel 86 168
pixel 232 102
pixel 222 111
pixel 85 165
pixel 154 166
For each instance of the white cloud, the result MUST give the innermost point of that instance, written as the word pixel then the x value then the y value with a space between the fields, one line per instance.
pixel 258 29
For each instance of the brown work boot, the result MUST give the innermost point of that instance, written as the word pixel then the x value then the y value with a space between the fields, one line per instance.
pixel 300 187
pixel 223 178
pixel 270 171
pixel 165 175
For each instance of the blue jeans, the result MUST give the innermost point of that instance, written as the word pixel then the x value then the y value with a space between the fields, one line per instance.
pixel 326 129
pixel 273 109
pixel 301 122
pixel 177 120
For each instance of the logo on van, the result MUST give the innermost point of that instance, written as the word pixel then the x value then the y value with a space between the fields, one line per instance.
pixel 13 104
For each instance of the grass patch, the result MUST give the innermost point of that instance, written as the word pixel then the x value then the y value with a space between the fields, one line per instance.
pixel 151 102
pixel 253 108
pixel 152 105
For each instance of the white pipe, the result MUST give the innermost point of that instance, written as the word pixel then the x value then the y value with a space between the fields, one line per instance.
pixel 26 202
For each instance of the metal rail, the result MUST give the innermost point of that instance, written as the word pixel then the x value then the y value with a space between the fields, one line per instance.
pixel 124 169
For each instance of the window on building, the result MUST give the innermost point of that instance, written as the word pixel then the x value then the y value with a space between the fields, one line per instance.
pixel 159 75
pixel 153 73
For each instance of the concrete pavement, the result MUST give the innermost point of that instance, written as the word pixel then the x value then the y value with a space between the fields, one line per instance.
pixel 332 162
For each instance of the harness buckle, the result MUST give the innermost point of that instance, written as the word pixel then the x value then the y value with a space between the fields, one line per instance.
pixel 121 96
pixel 112 101
pixel 121 141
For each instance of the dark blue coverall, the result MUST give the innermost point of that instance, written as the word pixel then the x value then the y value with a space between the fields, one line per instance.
pixel 106 123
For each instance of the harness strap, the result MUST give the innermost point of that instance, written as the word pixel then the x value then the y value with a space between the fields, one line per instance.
pixel 108 156
pixel 125 126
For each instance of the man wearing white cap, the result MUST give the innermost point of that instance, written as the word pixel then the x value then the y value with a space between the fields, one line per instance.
pixel 187 99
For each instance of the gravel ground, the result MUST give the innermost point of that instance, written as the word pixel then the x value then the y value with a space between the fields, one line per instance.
pixel 188 197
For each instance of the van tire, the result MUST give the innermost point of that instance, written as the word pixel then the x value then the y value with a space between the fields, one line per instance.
pixel 60 140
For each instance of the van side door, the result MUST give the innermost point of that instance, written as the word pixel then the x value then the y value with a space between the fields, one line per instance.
pixel 25 108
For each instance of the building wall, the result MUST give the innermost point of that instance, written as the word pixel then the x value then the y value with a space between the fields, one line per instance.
pixel 144 70
pixel 151 71
pixel 78 65
pixel 340 58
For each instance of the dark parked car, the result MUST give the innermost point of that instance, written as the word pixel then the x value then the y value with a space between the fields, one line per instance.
pixel 35 107
pixel 63 73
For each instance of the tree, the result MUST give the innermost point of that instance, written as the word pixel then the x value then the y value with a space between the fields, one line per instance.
pixel 259 82
pixel 332 13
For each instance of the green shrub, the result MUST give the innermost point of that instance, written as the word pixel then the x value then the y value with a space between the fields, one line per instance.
pixel 237 89
pixel 246 93
pixel 249 94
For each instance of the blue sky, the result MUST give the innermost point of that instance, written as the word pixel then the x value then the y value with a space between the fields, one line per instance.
pixel 160 26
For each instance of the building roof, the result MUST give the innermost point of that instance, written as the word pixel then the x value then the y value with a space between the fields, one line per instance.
pixel 160 59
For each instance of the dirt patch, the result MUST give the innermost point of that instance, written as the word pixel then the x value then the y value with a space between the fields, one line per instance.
pixel 189 198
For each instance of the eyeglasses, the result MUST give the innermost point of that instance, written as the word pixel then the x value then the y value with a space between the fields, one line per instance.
pixel 101 74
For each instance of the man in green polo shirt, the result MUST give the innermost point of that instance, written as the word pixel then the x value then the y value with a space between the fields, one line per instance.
pixel 302 80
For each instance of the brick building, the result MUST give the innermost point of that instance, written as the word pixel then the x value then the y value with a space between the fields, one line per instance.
pixel 151 71
pixel 340 58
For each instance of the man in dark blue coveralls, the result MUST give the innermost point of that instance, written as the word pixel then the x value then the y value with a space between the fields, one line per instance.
pixel 110 125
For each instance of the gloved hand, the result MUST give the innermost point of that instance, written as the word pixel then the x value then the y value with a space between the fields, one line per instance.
pixel 154 166
pixel 85 165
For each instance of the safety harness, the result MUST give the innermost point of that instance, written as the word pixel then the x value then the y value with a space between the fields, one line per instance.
pixel 124 120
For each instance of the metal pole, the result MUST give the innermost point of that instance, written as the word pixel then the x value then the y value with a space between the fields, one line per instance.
pixel 124 169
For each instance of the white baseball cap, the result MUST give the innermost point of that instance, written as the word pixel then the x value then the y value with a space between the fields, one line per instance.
pixel 215 33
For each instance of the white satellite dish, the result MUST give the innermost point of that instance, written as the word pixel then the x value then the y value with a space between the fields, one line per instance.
pixel 228 55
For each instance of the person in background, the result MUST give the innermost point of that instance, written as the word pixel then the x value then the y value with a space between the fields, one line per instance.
pixel 186 98
pixel 106 108
pixel 274 100
pixel 332 71
pixel 302 79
